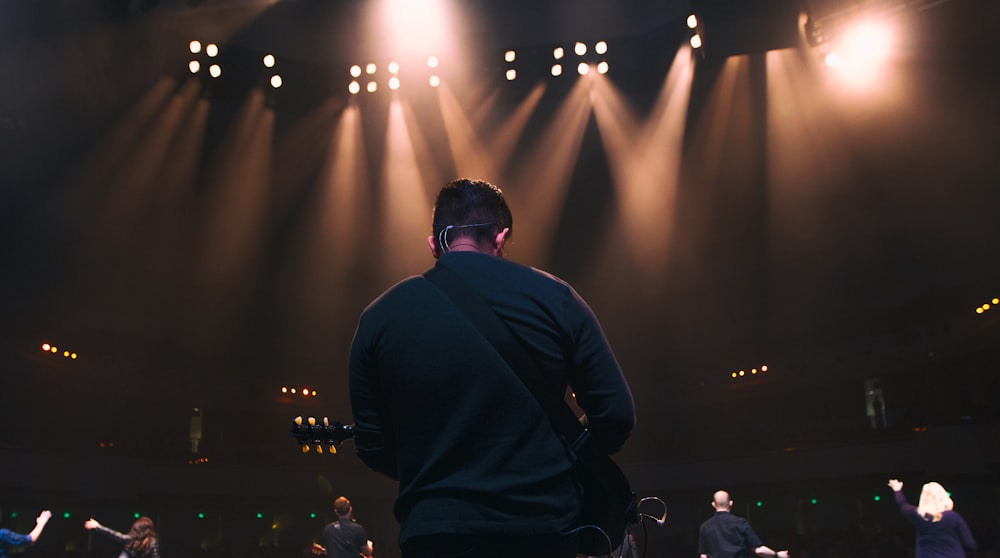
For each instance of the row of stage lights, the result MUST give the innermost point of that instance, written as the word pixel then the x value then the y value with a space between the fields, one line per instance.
pixel 305 392
pixel 211 50
pixel 370 71
pixel 988 305
pixel 753 372
pixel 46 347
pixel 560 58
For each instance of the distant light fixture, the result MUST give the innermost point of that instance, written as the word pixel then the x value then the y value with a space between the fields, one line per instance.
pixel 215 70
pixel 696 41
pixel 212 50
pixel 194 66
pixel 371 68
pixel 393 68
pixel 268 60
pixel 372 87
pixel 276 81
pixel 692 21
pixel 580 49
pixel 194 47
pixel 511 74
pixel 434 81
pixel 394 83
pixel 432 62
pixel 509 56
pixel 557 70
pixel 355 71
pixel 602 67
pixel 354 87
pixel 583 68
pixel 558 53
pixel 601 47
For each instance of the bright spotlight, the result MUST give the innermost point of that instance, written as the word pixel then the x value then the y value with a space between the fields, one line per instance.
pixel 692 21
pixel 354 87
pixel 432 62
pixel 393 68
pixel 355 71
pixel 601 47
pixel 434 81
pixel 372 87
pixel 195 47
pixel 509 56
pixel 370 68
pixel 558 53
pixel 580 49
pixel 394 83
pixel 582 68
pixel 194 66
pixel 557 69
pixel 212 50
pixel 268 60
pixel 215 70
pixel 276 81
pixel 602 67
pixel 511 74
pixel 696 41
pixel 861 52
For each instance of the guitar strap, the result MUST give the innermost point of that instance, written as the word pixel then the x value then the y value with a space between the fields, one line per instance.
pixel 498 333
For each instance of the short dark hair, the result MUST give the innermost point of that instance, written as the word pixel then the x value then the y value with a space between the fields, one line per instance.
pixel 470 208
pixel 342 506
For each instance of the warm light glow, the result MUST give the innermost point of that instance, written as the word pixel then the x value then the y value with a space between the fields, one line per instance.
pixel 986 307
pixel 394 83
pixel 212 50
pixel 511 74
pixel 753 371
pixel 372 87
pixel 696 41
pixel 268 60
pixel 215 70
pixel 195 47
pixel 742 373
pixel 54 350
pixel 558 53
pixel 509 56
pixel 393 68
pixel 314 393
pixel 293 390
pixel 46 347
pixel 432 62
pixel 996 301
pixel 66 354
pixel 284 390
pixel 979 310
pixel 194 66
pixel 582 68
pixel 601 47
pixel 355 71
pixel 580 49
pixel 434 81
pixel 557 69
pixel 734 374
pixel 305 392
pixel 861 53
pixel 602 67
pixel 371 68
pixel 354 87
pixel 763 368
pixel 692 21
pixel 276 81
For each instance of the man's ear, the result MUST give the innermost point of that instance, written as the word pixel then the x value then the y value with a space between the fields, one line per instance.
pixel 500 239
pixel 432 243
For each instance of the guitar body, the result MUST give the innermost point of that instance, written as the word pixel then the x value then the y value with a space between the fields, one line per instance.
pixel 608 504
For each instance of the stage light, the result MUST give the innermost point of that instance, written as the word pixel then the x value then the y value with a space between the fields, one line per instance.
pixel 215 70
pixel 372 87
pixel 692 21
pixel 509 56
pixel 355 71
pixel 742 373
pixel 602 67
pixel 434 81
pixel 354 87
pixel 753 371
pixel 268 60
pixel 760 503
pixel 212 50
pixel 511 74
pixel 980 310
pixel 763 368
pixel 557 70
pixel 370 68
pixel 284 389
pixel 394 83
pixel 558 53
pixel 986 306
pixel 432 62
pixel 996 301
pixel 582 68
pixel 194 47
pixel 696 41
pixel 734 374
pixel 293 390
pixel 393 68
pixel 276 81
pixel 580 49
pixel 46 347
pixel 194 66
pixel 54 350
pixel 601 47
pixel 66 353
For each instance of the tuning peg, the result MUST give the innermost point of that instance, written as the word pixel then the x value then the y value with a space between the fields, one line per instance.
pixel 298 420
pixel 319 449
pixel 326 421
pixel 333 449
pixel 312 421
pixel 305 448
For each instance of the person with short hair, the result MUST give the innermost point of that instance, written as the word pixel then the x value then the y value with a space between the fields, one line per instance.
pixel 344 538
pixel 725 535
pixel 9 539
pixel 941 532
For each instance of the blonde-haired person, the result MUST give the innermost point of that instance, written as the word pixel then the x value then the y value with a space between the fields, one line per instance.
pixel 941 532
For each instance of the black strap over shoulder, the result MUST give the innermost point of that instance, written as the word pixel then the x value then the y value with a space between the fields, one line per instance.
pixel 498 333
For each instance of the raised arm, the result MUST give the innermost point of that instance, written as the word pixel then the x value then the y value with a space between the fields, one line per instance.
pixel 40 522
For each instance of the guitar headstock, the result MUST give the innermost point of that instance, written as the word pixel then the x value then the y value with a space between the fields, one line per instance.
pixel 309 434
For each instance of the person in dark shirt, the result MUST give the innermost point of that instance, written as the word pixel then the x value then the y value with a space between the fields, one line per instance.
pixel 9 539
pixel 343 538
pixel 941 532
pixel 140 541
pixel 725 535
pixel 481 470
